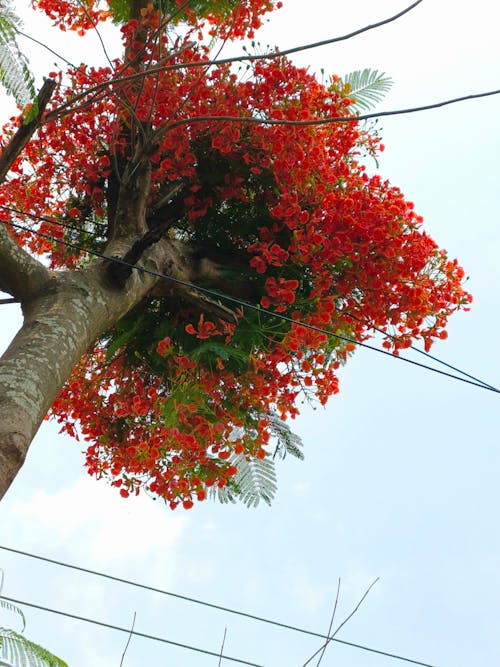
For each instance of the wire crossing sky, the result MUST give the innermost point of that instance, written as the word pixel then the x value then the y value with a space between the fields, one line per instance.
pixel 246 304
pixel 374 328
pixel 135 633
pixel 193 601
pixel 400 479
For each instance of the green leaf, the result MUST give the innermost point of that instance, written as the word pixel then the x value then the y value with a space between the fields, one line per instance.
pixel 23 653
pixel 8 606
pixel 254 481
pixel 365 88
pixel 123 338
pixel 287 441
pixel 207 352
pixel 184 394
pixel 120 10
pixel 15 75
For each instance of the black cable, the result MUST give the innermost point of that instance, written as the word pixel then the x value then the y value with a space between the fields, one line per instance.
pixel 51 221
pixel 345 312
pixel 270 55
pixel 419 350
pixel 213 606
pixel 308 122
pixel 246 304
pixel 132 632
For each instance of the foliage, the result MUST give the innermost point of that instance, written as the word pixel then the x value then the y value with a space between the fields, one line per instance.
pixel 172 400
pixel 19 651
pixel 15 75
pixel 364 88
pixel 228 18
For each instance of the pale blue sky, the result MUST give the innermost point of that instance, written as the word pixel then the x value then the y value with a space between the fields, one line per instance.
pixel 401 473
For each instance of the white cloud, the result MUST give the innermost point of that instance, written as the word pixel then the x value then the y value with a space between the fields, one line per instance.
pixel 110 527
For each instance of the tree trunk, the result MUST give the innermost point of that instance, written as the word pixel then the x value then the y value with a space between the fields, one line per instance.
pixel 66 315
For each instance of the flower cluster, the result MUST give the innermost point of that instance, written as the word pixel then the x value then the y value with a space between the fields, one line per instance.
pixel 165 398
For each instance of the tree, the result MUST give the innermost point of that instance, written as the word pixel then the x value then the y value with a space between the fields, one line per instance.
pixel 212 247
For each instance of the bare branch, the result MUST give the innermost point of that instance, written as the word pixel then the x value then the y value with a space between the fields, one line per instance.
pixel 222 646
pixel 346 620
pixel 331 622
pixel 319 121
pixel 20 273
pixel 4 301
pixel 128 640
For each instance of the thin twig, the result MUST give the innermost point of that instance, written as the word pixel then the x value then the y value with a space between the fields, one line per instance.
pixel 331 622
pixel 346 620
pixel 2 302
pixel 96 30
pixel 128 640
pixel 42 44
pixel 222 646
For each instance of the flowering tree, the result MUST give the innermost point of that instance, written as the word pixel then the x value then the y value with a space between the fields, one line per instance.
pixel 193 248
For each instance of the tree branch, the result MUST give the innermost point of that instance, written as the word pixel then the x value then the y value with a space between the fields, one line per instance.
pixel 64 108
pixel 24 133
pixel 20 273
pixel 245 120
pixel 158 225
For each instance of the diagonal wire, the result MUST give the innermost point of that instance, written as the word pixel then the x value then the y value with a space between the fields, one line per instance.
pixel 246 304
pixel 51 221
pixel 419 350
pixel 129 631
pixel 214 606
pixel 344 312
pixel 262 56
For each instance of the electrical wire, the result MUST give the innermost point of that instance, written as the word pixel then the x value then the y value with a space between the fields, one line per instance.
pixel 419 350
pixel 132 632
pixel 51 221
pixel 246 304
pixel 345 312
pixel 211 605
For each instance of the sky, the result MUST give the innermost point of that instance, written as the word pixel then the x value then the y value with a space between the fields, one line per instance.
pixel 400 478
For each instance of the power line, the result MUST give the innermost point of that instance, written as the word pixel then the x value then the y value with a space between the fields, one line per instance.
pixel 211 605
pixel 132 632
pixel 247 57
pixel 345 312
pixel 51 221
pixel 246 304
pixel 325 121
pixel 419 350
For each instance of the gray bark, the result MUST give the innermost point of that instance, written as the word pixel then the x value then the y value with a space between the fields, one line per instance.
pixel 66 311
pixel 62 318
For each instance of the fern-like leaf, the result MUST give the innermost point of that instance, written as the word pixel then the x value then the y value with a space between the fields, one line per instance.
pixel 21 652
pixel 254 481
pixel 7 606
pixel 287 441
pixel 15 75
pixel 365 88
